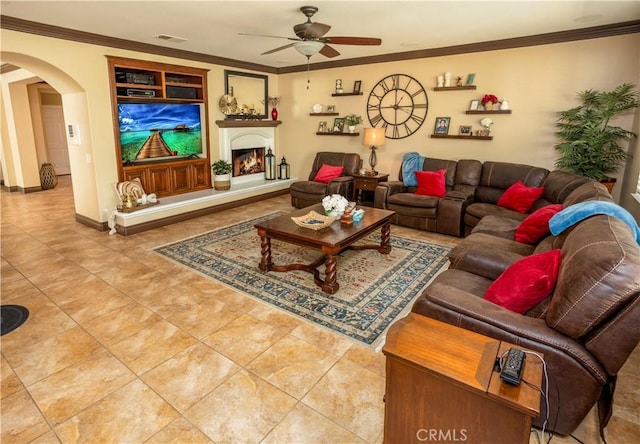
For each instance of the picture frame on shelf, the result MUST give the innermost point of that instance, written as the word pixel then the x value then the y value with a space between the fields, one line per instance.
pixel 442 125
pixel 331 108
pixel 339 89
pixel 356 86
pixel 474 105
pixel 465 130
pixel 470 78
pixel 322 127
pixel 338 124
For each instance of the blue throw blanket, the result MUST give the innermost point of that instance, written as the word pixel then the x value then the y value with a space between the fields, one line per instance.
pixel 575 213
pixel 411 162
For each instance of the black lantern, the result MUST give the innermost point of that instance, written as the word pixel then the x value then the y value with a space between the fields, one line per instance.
pixel 270 165
pixel 284 169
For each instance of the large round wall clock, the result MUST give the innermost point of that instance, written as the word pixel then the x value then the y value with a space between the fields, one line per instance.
pixel 399 104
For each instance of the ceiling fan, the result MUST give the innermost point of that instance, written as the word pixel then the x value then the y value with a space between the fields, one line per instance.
pixel 311 38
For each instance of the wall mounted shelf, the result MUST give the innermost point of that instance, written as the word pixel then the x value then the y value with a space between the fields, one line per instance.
pixel 346 94
pixel 338 134
pixel 247 123
pixel 484 111
pixel 447 136
pixel 324 114
pixel 454 88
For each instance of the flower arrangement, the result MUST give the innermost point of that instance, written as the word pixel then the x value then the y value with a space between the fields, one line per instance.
pixel 352 119
pixel 273 101
pixel 489 98
pixel 335 203
pixel 486 123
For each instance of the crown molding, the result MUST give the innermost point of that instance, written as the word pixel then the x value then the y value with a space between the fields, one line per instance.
pixel 595 32
pixel 610 30
pixel 57 32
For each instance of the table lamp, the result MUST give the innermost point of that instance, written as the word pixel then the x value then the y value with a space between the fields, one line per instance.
pixel 374 137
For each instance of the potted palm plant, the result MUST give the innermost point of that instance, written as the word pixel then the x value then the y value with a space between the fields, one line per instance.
pixel 222 174
pixel 351 120
pixel 589 145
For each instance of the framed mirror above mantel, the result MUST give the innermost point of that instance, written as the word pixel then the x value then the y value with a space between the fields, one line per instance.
pixel 248 89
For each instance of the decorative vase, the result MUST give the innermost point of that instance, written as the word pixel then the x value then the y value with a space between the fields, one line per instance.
pixel 504 106
pixel 222 182
pixel 352 128
pixel 488 106
pixel 335 213
pixel 48 176
pixel 274 114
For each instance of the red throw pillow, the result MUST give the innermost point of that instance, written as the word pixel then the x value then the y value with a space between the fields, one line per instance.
pixel 519 197
pixel 327 173
pixel 526 282
pixel 536 225
pixel 431 183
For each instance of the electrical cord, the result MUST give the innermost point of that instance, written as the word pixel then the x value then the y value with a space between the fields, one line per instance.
pixel 581 442
pixel 545 393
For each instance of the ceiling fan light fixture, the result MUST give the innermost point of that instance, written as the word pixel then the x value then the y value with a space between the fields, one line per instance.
pixel 308 47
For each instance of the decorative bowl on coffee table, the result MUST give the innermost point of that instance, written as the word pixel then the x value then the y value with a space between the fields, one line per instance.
pixel 313 220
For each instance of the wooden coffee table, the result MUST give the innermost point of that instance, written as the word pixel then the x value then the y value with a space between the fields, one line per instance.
pixel 331 241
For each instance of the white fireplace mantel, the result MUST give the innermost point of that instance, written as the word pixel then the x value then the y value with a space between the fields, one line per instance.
pixel 240 134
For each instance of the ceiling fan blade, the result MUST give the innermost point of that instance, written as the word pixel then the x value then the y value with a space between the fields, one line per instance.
pixel 352 40
pixel 279 49
pixel 270 36
pixel 316 30
pixel 328 51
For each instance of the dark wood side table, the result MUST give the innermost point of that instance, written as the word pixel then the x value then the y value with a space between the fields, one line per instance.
pixel 441 384
pixel 366 183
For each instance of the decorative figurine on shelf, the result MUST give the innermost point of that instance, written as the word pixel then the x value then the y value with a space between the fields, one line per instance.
pixel 447 79
pixel 440 81
pixel 504 105
pixel 458 81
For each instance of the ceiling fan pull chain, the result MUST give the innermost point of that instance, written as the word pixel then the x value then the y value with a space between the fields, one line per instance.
pixel 308 62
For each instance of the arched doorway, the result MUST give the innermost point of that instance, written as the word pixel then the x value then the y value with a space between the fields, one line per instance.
pixel 20 160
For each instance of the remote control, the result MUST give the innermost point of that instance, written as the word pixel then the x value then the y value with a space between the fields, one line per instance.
pixel 512 368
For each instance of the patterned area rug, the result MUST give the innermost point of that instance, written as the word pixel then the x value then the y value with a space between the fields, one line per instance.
pixel 375 289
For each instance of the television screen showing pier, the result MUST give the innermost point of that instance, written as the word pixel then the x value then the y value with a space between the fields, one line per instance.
pixel 150 131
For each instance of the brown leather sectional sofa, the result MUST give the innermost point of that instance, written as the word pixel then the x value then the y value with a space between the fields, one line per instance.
pixel 473 189
pixel 586 328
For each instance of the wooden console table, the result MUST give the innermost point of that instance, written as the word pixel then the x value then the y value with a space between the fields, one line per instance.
pixel 441 386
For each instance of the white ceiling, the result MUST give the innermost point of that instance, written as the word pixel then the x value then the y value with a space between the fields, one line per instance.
pixel 212 27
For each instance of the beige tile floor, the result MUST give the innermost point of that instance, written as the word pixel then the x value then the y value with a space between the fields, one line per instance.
pixel 123 346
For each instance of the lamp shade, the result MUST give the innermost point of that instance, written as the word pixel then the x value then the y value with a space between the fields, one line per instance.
pixel 373 136
pixel 308 47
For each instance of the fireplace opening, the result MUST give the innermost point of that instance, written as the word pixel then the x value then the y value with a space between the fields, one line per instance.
pixel 247 161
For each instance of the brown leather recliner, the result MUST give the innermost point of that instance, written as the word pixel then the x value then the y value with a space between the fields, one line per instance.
pixel 307 192
pixel 586 329
pixel 438 214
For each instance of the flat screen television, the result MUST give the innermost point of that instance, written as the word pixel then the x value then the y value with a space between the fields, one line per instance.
pixel 155 131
